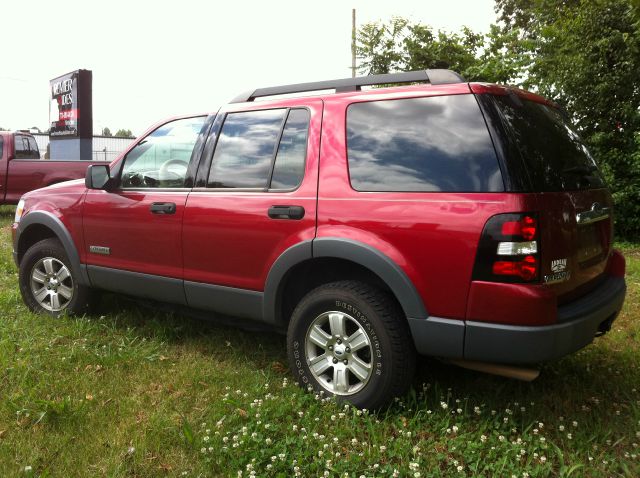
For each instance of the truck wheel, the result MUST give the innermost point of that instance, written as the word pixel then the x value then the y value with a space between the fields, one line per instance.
pixel 350 340
pixel 49 284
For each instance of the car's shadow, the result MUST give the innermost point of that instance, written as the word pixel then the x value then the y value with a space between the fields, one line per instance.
pixel 564 386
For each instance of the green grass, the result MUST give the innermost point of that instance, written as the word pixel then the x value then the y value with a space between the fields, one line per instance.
pixel 138 392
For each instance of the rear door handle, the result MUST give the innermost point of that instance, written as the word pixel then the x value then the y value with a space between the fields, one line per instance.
pixel 163 208
pixel 286 212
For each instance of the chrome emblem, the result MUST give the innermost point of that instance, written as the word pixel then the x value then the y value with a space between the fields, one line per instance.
pixel 559 272
pixel 105 251
pixel 558 265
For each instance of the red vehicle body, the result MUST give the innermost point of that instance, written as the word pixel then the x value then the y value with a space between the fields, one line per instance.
pixel 22 169
pixel 264 253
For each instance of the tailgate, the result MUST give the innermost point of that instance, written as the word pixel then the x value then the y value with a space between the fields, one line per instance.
pixel 576 235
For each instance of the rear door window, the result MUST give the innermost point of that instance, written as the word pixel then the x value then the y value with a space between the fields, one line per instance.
pixel 263 149
pixel 555 157
pixel 421 144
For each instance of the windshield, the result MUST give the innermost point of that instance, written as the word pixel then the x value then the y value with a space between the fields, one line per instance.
pixel 554 155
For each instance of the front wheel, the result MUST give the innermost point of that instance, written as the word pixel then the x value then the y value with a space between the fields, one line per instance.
pixel 48 282
pixel 351 340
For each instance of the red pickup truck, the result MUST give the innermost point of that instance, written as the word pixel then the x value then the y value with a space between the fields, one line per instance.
pixel 22 169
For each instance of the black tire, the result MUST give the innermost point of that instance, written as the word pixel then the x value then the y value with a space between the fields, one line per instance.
pixel 390 354
pixel 81 297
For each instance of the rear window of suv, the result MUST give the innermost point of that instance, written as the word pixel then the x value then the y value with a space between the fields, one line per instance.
pixel 555 157
pixel 437 143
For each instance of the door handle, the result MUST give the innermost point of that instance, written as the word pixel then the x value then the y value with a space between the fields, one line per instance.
pixel 163 208
pixel 286 212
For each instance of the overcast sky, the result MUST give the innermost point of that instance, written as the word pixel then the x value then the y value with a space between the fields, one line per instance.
pixel 151 60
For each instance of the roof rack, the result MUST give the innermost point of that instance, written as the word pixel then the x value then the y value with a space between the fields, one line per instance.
pixel 435 77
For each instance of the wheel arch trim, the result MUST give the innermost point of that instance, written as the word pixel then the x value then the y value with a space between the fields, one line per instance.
pixel 329 247
pixel 47 219
pixel 380 264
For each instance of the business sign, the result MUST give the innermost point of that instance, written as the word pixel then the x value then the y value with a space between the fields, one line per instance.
pixel 70 110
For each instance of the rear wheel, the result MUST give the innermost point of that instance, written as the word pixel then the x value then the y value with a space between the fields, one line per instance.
pixel 49 284
pixel 350 340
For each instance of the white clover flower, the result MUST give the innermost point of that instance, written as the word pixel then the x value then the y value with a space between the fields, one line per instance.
pixel 268 441
pixel 27 469
pixel 569 436
pixel 483 438
pixel 574 423
pixel 543 459
pixel 561 428
pixel 384 448
pixel 460 468
pixel 444 405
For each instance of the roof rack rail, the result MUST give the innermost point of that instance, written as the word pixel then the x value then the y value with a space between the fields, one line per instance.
pixel 435 77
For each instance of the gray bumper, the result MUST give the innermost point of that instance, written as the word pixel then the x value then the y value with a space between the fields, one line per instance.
pixel 578 323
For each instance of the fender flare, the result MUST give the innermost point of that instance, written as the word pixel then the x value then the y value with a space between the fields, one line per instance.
pixel 347 249
pixel 50 221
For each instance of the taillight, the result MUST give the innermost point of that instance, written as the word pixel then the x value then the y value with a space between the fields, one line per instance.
pixel 509 248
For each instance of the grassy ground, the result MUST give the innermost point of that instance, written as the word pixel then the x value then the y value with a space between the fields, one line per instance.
pixel 138 392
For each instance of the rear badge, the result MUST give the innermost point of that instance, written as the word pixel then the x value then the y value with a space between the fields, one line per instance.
pixel 559 272
pixel 105 251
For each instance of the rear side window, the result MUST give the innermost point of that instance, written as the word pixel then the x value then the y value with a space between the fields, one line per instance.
pixel 26 147
pixel 260 150
pixel 555 157
pixel 421 144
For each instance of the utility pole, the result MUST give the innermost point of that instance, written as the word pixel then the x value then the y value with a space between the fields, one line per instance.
pixel 353 43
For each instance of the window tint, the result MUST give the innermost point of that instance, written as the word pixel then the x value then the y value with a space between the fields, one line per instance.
pixel 288 170
pixel 33 148
pixel 245 148
pixel 23 149
pixel 555 157
pixel 421 144
pixel 162 158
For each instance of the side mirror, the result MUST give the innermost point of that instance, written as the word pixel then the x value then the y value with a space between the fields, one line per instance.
pixel 97 176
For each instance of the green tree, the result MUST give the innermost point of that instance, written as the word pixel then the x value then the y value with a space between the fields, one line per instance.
pixel 106 132
pixel 124 133
pixel 585 54
pixel 400 45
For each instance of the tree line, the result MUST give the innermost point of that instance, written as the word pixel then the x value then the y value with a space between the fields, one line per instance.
pixel 583 54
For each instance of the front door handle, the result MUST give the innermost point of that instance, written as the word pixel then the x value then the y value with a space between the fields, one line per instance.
pixel 163 208
pixel 286 212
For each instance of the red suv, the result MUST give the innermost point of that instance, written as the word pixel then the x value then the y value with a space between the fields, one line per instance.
pixel 460 220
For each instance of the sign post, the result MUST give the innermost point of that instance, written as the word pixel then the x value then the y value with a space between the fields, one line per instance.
pixel 71 116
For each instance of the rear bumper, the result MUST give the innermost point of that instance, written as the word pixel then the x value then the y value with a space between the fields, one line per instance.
pixel 578 323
